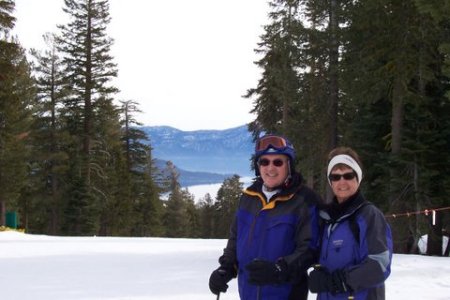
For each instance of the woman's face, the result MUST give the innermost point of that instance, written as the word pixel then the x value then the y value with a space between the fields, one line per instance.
pixel 274 169
pixel 343 188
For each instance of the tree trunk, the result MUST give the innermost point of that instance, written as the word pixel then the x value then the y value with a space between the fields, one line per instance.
pixel 397 118
pixel 333 78
pixel 54 219
pixel 396 134
pixel 434 242
pixel 333 73
pixel 2 212
pixel 88 100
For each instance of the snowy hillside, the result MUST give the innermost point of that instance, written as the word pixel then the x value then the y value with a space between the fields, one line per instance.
pixel 38 267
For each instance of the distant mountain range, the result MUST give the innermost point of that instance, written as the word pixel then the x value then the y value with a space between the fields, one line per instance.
pixel 203 156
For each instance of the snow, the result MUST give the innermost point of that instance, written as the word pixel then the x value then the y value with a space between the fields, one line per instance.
pixel 423 241
pixel 119 268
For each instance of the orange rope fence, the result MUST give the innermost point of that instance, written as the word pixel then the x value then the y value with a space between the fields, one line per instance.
pixel 425 212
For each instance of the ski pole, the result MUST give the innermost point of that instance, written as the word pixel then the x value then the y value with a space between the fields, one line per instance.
pixel 258 293
pixel 218 296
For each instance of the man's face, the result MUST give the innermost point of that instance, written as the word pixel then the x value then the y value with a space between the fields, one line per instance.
pixel 274 169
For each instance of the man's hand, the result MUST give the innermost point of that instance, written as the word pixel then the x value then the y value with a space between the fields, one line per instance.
pixel 218 280
pixel 263 272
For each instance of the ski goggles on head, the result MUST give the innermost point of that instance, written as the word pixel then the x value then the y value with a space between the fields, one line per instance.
pixel 272 141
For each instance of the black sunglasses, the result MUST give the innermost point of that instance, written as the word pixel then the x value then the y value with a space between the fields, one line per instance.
pixel 346 176
pixel 265 162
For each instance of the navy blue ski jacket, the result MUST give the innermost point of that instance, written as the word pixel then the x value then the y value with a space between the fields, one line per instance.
pixel 357 239
pixel 286 227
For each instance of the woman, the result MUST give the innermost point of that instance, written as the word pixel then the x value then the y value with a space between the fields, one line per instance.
pixel 356 241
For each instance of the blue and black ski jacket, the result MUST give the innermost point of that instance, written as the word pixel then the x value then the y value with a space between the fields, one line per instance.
pixel 285 227
pixel 357 239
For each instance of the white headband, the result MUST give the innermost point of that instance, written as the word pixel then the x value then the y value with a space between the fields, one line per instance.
pixel 346 160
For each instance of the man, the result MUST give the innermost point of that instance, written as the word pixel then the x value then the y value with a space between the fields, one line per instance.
pixel 274 234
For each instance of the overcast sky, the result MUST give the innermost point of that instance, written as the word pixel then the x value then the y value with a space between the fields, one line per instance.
pixel 187 62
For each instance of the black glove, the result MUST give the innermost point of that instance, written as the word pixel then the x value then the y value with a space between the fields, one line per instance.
pixel 320 280
pixel 219 279
pixel 263 272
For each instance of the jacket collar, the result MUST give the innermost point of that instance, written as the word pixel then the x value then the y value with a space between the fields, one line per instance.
pixel 292 187
pixel 336 211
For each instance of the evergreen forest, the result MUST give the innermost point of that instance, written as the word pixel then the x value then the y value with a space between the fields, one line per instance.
pixel 373 75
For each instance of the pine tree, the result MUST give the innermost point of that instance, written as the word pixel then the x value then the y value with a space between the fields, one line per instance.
pixel 111 184
pixel 299 82
pixel 192 215
pixel 175 219
pixel 7 20
pixel 226 204
pixel 206 209
pixel 16 99
pixel 50 142
pixel 143 191
pixel 316 128
pixel 89 70
pixel 434 129
pixel 395 78
pixel 277 90
pixel 133 138
pixel 149 209
pixel 373 75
